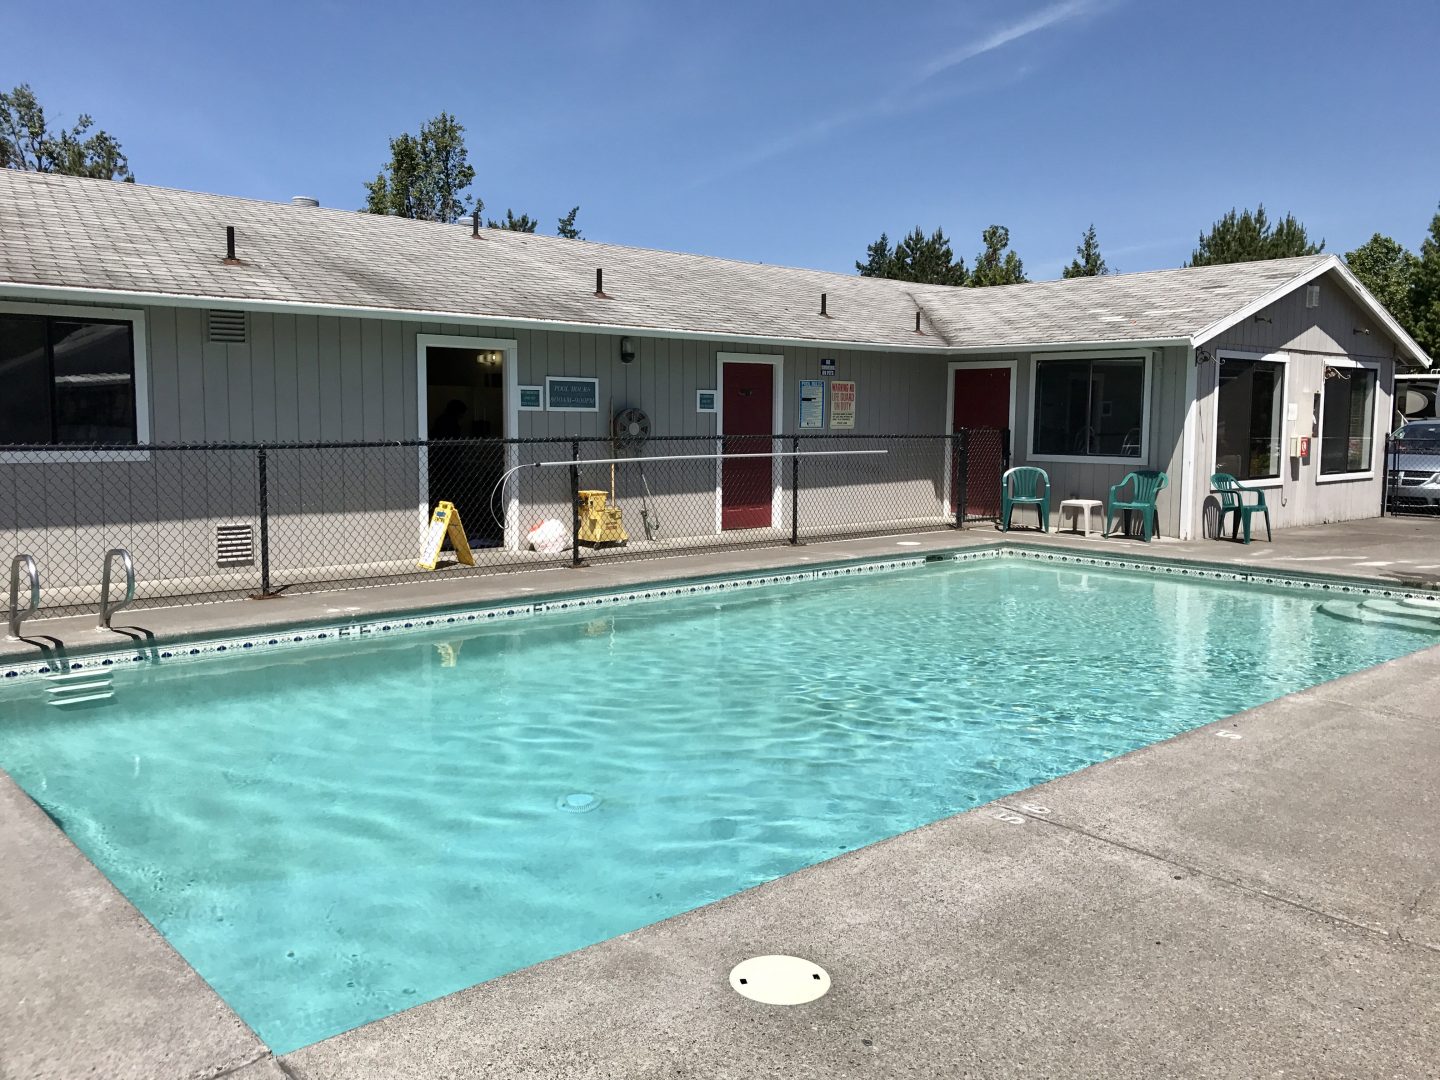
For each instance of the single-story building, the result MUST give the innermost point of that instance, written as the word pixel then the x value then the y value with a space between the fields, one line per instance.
pixel 134 315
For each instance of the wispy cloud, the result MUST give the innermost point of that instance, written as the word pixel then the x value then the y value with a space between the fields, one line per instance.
pixel 903 97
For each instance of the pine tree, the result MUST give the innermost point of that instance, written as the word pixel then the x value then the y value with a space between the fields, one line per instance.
pixel 923 259
pixel 1424 301
pixel 523 223
pixel 566 226
pixel 995 265
pixel 1088 261
pixel 1245 236
pixel 427 175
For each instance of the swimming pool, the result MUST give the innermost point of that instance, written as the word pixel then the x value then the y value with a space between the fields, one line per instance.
pixel 343 831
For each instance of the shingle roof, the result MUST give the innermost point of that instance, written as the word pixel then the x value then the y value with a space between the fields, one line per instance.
pixel 158 242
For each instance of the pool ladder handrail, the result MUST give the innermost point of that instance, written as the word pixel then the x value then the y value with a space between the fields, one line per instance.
pixel 32 572
pixel 108 608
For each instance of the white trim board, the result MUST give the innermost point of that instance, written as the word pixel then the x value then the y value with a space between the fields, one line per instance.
pixel 140 384
pixel 1357 291
pixel 777 380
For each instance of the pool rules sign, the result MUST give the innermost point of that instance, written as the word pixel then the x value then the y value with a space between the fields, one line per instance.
pixel 842 406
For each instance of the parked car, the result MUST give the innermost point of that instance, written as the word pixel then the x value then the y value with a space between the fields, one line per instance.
pixel 1415 463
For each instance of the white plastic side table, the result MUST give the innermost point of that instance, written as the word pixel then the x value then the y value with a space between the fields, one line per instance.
pixel 1082 506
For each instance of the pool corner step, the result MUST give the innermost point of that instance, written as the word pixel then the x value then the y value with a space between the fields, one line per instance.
pixel 78 687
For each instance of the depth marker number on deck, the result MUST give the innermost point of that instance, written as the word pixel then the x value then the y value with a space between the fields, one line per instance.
pixel 1229 734
pixel 1009 818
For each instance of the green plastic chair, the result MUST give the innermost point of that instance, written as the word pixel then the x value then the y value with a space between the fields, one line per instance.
pixel 1232 501
pixel 1147 485
pixel 1025 486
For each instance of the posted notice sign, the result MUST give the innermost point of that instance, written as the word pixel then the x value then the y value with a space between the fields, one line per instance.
pixel 571 394
pixel 812 404
pixel 842 405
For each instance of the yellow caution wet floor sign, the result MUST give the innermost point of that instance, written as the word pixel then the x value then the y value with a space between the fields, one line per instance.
pixel 445 521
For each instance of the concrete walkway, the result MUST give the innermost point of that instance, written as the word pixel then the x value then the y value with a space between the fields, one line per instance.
pixel 1206 906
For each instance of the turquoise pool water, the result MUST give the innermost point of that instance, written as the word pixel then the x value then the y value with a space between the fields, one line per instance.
pixel 342 832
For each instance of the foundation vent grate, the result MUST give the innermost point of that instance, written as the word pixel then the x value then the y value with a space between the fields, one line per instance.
pixel 226 327
pixel 234 545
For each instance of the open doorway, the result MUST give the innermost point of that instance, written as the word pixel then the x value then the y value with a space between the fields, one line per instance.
pixel 464 411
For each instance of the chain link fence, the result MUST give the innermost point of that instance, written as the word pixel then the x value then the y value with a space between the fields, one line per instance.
pixel 220 522
pixel 1412 471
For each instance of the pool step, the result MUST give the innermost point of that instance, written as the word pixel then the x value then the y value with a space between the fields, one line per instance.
pixel 79 687
pixel 1411 614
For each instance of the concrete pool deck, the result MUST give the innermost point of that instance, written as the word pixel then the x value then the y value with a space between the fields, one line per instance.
pixel 1398 551
pixel 1206 905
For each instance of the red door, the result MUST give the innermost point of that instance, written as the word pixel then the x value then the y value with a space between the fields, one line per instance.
pixel 982 407
pixel 746 484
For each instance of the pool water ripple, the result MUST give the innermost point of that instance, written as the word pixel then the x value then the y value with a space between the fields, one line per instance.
pixel 340 833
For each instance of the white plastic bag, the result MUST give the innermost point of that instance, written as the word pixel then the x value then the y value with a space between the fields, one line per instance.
pixel 548 537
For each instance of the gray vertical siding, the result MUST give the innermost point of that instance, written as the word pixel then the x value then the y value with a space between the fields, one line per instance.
pixel 1311 338
pixel 303 378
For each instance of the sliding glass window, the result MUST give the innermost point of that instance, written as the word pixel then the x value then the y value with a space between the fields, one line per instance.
pixel 1248 419
pixel 66 380
pixel 1089 408
pixel 1347 421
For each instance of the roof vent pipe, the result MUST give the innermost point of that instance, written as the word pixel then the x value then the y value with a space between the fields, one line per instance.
pixel 230 258
pixel 917 322
pixel 822 306
pixel 304 200
pixel 599 281
pixel 475 225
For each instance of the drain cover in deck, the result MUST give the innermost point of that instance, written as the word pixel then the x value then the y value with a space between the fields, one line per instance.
pixel 779 980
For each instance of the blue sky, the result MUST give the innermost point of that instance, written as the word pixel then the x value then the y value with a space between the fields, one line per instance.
pixel 788 132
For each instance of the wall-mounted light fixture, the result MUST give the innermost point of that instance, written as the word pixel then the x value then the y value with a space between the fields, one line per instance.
pixel 1362 330
pixel 1264 318
pixel 627 351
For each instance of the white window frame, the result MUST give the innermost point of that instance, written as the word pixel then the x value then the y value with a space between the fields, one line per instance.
pixel 141 385
pixel 1270 358
pixel 777 420
pixel 509 348
pixel 1146 359
pixel 1377 441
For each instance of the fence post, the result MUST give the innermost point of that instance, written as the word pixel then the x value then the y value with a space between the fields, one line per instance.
pixel 795 491
pixel 1004 450
pixel 262 468
pixel 575 560
pixel 961 449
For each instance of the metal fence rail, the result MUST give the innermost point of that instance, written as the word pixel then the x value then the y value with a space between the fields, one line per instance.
pixel 1412 479
pixel 227 521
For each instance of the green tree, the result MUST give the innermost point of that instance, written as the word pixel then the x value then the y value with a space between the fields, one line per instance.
pixel 567 227
pixel 995 265
pixel 916 257
pixel 27 142
pixel 1387 269
pixel 523 223
pixel 1424 306
pixel 1245 236
pixel 879 259
pixel 1088 261
pixel 427 175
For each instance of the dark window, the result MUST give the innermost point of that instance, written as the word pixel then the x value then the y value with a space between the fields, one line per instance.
pixel 1347 422
pixel 1089 408
pixel 66 380
pixel 1247 424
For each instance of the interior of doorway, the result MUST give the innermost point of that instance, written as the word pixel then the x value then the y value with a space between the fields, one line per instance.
pixel 465 399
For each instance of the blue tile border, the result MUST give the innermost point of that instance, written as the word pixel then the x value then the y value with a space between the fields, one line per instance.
pixel 274 640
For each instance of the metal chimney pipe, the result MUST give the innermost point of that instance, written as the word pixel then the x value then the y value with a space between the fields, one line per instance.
pixel 475 225
pixel 822 304
pixel 599 281
pixel 230 244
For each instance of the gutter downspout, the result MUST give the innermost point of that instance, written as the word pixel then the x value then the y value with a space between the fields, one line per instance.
pixel 1187 446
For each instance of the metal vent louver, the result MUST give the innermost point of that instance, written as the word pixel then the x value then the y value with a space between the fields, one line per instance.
pixel 227 327
pixel 234 545
pixel 1312 296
